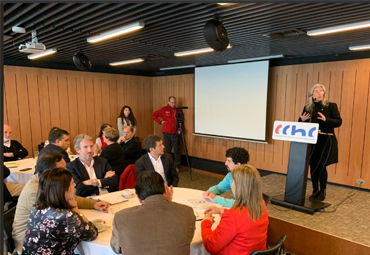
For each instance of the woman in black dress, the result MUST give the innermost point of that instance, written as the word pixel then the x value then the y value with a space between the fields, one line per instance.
pixel 325 152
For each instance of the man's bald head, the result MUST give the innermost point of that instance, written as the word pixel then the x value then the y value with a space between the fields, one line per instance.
pixel 7 133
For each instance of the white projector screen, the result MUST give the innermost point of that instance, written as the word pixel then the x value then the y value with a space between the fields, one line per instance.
pixel 231 101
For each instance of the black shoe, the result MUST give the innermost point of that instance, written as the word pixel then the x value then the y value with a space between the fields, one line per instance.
pixel 322 195
pixel 314 195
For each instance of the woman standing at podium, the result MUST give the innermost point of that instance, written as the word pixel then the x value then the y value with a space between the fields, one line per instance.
pixel 325 152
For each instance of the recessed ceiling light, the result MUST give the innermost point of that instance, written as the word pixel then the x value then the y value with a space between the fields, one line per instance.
pixel 360 47
pixel 198 51
pixel 337 29
pixel 116 32
pixel 42 54
pixel 126 62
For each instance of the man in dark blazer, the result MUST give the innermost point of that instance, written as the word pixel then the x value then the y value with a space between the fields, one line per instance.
pixel 92 175
pixel 131 145
pixel 59 141
pixel 157 160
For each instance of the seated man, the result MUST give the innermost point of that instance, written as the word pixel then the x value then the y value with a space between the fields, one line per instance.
pixel 131 145
pixel 157 160
pixel 27 199
pixel 165 227
pixel 92 175
pixel 13 150
pixel 234 157
pixel 59 141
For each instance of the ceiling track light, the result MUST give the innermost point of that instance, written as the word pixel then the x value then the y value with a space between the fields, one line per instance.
pixel 116 32
pixel 336 29
pixel 42 54
pixel 198 51
pixel 126 62
pixel 360 47
pixel 255 59
pixel 176 67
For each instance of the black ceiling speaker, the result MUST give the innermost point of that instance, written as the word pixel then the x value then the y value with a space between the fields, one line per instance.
pixel 82 62
pixel 216 35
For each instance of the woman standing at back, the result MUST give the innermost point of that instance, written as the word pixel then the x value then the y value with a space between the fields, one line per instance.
pixel 243 228
pixel 126 118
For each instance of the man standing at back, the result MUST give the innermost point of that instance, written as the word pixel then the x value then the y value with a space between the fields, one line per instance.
pixel 234 157
pixel 59 141
pixel 165 227
pixel 169 129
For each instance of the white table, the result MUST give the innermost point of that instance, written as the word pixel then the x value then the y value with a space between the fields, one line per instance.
pixel 102 244
pixel 21 177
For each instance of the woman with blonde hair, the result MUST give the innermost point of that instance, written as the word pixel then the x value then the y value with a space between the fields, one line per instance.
pixel 325 152
pixel 243 228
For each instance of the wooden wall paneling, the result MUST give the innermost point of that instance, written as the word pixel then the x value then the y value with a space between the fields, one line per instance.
pixel 113 101
pixel 358 127
pixel 34 107
pixel 73 106
pixel 90 113
pixel 146 101
pixel 105 100
pixel 98 105
pixel 81 102
pixel 44 103
pixel 64 106
pixel 24 111
pixel 5 109
pixel 53 81
pixel 12 103
pixel 121 84
pixel 365 174
pixel 347 99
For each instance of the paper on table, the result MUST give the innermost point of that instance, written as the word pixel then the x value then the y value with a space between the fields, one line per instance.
pixel 200 203
pixel 112 198
pixel 10 164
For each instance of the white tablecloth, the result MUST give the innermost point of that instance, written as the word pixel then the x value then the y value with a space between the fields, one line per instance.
pixel 102 244
pixel 21 177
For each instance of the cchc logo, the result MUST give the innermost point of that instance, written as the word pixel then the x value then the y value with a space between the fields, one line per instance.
pixel 294 131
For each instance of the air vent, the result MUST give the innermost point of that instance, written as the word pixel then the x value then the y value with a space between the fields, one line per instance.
pixel 288 34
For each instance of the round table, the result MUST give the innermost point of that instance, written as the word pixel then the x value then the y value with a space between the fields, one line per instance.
pixel 17 176
pixel 102 244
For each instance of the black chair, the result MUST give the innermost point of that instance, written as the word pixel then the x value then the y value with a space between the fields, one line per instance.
pixel 277 249
pixel 8 228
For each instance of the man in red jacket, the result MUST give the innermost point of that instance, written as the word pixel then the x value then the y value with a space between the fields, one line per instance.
pixel 170 128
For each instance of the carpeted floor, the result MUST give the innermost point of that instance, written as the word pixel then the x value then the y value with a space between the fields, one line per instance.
pixel 350 221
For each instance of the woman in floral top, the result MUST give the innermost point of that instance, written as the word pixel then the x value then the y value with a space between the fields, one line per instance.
pixel 56 226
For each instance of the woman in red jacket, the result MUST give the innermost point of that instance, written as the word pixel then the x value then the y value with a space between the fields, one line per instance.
pixel 243 228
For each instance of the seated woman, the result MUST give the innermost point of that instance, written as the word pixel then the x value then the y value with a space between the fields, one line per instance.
pixel 113 153
pixel 243 228
pixel 99 142
pixel 56 226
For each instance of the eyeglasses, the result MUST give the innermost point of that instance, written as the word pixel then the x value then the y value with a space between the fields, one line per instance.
pixel 318 92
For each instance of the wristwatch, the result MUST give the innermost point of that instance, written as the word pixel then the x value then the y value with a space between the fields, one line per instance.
pixel 95 183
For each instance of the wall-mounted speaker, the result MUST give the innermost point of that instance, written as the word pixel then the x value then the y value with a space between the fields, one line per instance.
pixel 82 62
pixel 216 35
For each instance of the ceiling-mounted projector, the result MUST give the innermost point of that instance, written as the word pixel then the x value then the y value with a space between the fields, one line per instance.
pixel 32 47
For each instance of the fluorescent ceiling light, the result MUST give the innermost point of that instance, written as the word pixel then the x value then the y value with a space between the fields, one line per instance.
pixel 192 52
pixel 255 59
pixel 222 3
pixel 360 47
pixel 126 62
pixel 116 32
pixel 42 54
pixel 176 67
pixel 336 29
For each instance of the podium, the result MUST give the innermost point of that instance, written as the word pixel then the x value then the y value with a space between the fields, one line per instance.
pixel 301 135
